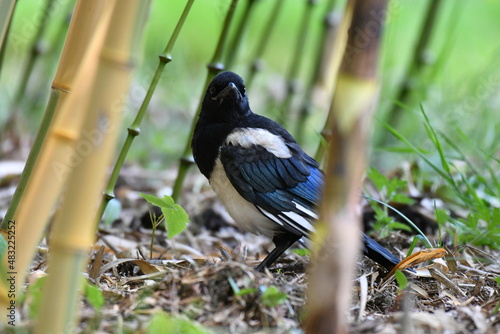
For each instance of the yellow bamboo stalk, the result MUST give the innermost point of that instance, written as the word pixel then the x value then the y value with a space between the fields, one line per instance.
pixel 332 59
pixel 48 178
pixel 336 245
pixel 73 230
pixel 81 29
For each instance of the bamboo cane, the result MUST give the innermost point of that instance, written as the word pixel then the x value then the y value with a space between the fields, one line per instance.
pixel 416 64
pixel 331 65
pixel 323 48
pixel 262 44
pixel 81 29
pixel 30 63
pixel 297 56
pixel 73 231
pixel 41 192
pixel 6 11
pixel 232 50
pixel 134 129
pixel 336 244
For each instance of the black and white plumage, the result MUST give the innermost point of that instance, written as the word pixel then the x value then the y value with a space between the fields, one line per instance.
pixel 267 183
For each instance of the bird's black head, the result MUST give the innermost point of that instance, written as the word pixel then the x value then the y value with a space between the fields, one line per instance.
pixel 225 100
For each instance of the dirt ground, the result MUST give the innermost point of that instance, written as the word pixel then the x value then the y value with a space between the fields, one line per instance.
pixel 206 274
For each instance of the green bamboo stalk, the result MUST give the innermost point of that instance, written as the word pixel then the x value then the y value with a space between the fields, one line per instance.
pixel 30 162
pixel 134 129
pixel 35 51
pixel 293 71
pixel 6 11
pixel 214 67
pixel 257 64
pixel 329 24
pixel 232 50
pixel 417 62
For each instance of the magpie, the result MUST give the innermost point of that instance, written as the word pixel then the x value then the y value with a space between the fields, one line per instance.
pixel 267 183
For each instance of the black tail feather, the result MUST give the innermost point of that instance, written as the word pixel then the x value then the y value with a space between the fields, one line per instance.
pixel 379 254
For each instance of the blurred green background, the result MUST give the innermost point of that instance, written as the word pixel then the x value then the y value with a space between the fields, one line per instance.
pixel 458 88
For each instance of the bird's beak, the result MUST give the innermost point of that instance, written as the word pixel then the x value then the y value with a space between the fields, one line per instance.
pixel 230 92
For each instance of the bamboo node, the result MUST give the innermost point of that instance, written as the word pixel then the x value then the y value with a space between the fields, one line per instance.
pixel 258 65
pixel 116 59
pixel 66 134
pixel 216 66
pixel 293 87
pixel 188 161
pixel 63 88
pixel 326 134
pixel 134 131
pixel 165 58
pixel 108 196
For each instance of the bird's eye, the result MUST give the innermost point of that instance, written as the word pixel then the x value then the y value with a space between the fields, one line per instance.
pixel 212 90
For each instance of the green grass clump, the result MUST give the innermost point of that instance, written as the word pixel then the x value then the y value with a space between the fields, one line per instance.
pixel 468 185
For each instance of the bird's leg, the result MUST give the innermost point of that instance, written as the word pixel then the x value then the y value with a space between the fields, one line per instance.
pixel 282 241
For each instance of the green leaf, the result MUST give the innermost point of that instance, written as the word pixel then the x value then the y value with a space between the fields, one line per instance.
pixel 402 198
pixel 35 295
pixel 94 296
pixel 301 251
pixel 378 179
pixel 401 279
pixel 176 217
pixel 272 296
pixel 152 199
pixel 164 323
pixel 441 217
pixel 399 226
pixel 246 291
pixel 413 244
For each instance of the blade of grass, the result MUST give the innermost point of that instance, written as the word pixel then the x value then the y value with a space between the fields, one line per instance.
pixel 426 241
pixel 403 139
pixel 435 140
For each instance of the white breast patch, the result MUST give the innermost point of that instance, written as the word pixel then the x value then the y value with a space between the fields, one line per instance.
pixel 248 137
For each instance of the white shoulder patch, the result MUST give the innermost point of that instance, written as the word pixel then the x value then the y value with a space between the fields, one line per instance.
pixel 253 136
